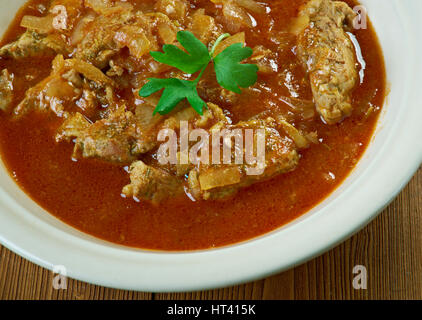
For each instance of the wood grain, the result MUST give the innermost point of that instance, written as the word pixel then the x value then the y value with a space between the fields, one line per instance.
pixel 390 248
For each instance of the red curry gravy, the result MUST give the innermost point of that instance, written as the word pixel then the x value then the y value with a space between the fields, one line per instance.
pixel 86 194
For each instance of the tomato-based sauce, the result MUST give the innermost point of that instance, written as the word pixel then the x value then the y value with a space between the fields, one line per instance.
pixel 87 193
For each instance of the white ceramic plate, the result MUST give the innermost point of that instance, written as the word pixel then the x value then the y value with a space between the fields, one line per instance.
pixel 393 156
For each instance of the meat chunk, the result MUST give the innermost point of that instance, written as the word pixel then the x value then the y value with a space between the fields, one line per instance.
pixel 147 125
pixel 98 45
pixel 53 93
pixel 109 139
pixel 32 44
pixel 73 126
pixel 64 86
pixel 217 181
pixel 6 89
pixel 152 184
pixel 118 138
pixel 117 27
pixel 327 53
pixel 124 135
pixel 221 180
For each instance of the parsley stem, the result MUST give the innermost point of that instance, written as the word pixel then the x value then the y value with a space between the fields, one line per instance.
pixel 217 42
pixel 200 75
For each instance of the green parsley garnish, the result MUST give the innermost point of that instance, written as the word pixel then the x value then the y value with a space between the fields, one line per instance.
pixel 230 73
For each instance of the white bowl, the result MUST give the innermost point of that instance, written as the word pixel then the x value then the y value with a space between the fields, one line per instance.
pixel 393 156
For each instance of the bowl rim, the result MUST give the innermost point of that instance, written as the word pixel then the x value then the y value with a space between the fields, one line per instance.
pixel 102 263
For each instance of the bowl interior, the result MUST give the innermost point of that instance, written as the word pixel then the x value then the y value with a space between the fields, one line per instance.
pixel 32 232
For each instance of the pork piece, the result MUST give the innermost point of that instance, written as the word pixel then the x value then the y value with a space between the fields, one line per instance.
pixel 97 45
pixel 6 89
pixel 327 54
pixel 67 85
pixel 153 184
pixel 73 126
pixel 108 139
pixel 117 27
pixel 147 126
pixel 119 138
pixel 124 135
pixel 32 44
pixel 52 93
pixel 217 181
pixel 47 34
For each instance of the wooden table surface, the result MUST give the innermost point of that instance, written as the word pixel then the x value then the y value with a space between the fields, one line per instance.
pixel 390 248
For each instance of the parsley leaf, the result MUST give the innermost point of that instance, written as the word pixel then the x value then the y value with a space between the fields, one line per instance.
pixel 231 74
pixel 175 90
pixel 191 62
